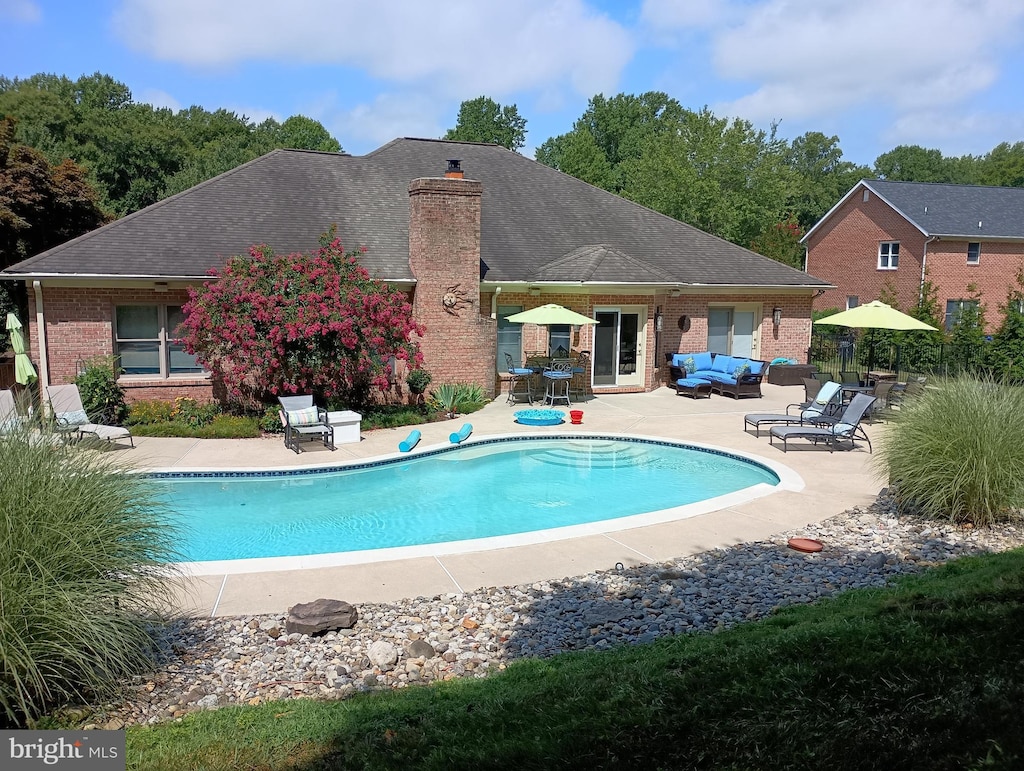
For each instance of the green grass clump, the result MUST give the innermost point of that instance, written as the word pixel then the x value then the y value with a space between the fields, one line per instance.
pixel 924 675
pixel 81 547
pixel 221 427
pixel 956 452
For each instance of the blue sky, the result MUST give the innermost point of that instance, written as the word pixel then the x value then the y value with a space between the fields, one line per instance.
pixel 876 73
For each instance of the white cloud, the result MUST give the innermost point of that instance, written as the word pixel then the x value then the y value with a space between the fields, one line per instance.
pixel 811 58
pixel 462 48
pixel 387 117
pixel 22 11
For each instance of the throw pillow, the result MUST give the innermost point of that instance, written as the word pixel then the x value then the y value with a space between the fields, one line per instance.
pixel 75 418
pixel 689 365
pixel 740 371
pixel 306 417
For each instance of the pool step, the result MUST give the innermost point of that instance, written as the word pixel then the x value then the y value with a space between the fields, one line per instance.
pixel 595 458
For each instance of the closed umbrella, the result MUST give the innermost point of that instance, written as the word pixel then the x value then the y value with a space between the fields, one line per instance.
pixel 24 372
pixel 876 315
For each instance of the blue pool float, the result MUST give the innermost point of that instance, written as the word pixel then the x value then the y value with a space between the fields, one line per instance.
pixel 461 435
pixel 410 441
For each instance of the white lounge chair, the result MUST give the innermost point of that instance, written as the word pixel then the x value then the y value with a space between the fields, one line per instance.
pixel 71 418
pixel 300 418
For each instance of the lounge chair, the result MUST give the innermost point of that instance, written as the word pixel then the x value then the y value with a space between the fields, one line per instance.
pixel 847 426
pixel 72 420
pixel 10 420
pixel 822 406
pixel 300 417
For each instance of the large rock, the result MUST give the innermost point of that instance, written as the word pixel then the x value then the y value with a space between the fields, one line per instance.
pixel 382 654
pixel 320 616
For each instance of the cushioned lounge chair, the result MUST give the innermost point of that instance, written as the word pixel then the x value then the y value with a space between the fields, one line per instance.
pixel 824 405
pixel 72 420
pixel 10 420
pixel 300 417
pixel 846 426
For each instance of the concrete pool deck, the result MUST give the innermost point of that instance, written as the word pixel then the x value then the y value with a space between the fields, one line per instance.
pixel 833 482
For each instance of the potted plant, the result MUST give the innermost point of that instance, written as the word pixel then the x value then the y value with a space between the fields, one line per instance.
pixel 418 380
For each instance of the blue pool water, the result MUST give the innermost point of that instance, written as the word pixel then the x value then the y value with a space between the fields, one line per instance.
pixel 484 489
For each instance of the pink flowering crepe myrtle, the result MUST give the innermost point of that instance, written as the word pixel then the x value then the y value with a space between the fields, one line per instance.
pixel 299 323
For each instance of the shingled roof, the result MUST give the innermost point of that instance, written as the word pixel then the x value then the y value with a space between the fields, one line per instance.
pixel 537 223
pixel 971 212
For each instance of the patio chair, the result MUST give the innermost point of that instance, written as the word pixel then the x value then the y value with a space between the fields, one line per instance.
pixel 824 377
pixel 850 378
pixel 300 417
pixel 520 381
pixel 847 426
pixel 883 404
pixel 72 421
pixel 821 409
pixel 10 420
pixel 579 385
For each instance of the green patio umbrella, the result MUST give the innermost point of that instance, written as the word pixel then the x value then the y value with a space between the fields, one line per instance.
pixel 24 372
pixel 876 315
pixel 552 313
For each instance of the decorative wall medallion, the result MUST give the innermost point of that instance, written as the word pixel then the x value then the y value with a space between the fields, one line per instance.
pixel 454 299
pixel 684 323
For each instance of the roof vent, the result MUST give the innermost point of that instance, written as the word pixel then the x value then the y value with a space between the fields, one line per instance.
pixel 979 223
pixel 454 170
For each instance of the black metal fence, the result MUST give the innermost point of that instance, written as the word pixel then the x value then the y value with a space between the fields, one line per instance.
pixel 864 351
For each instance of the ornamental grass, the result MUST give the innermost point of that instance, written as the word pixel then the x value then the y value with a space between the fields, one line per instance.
pixel 956 452
pixel 82 568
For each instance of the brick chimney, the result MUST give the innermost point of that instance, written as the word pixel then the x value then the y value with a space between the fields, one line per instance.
pixel 444 255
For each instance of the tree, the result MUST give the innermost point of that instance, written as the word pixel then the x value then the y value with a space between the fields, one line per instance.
pixel 967 338
pixel 1004 166
pixel 484 120
pixel 822 176
pixel 781 242
pixel 272 324
pixel 913 163
pixel 1005 355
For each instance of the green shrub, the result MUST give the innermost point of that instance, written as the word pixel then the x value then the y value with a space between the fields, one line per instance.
pixel 418 380
pixel 222 427
pixel 393 417
pixel 193 413
pixel 270 423
pixel 150 411
pixel 79 587
pixel 102 398
pixel 955 452
pixel 452 398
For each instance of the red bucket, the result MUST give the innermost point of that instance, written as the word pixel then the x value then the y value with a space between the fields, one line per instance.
pixel 576 416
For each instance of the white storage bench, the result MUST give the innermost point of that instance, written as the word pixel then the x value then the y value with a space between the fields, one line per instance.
pixel 346 426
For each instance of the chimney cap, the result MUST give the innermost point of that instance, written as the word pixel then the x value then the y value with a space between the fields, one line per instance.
pixel 454 164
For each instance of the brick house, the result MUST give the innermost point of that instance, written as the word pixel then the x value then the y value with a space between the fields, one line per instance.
pixel 471 240
pixel 899 234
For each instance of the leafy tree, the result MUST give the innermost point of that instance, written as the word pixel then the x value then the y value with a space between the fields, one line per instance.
pixel 301 133
pixel 822 176
pixel 578 155
pixel 281 324
pixel 484 120
pixel 1003 166
pixel 967 338
pixel 913 163
pixel 40 205
pixel 1005 355
pixel 781 242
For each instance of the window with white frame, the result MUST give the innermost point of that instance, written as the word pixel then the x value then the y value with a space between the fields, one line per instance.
pixel 954 308
pixel 973 253
pixel 144 341
pixel 888 255
pixel 852 301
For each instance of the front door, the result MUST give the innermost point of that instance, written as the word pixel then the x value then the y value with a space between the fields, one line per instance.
pixel 619 346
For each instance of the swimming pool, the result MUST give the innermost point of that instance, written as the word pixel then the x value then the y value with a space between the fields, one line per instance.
pixel 489 488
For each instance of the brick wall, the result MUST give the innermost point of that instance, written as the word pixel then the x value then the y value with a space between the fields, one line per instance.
pixel 844 252
pixel 80 326
pixel 444 256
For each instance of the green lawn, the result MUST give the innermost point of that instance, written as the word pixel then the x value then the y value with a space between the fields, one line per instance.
pixel 926 675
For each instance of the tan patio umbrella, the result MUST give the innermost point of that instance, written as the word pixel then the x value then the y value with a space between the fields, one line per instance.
pixel 876 315
pixel 24 372
pixel 552 313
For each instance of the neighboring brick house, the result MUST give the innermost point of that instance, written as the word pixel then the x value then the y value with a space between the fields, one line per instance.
pixel 471 242
pixel 896 235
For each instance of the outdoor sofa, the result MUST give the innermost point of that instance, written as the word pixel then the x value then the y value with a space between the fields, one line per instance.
pixel 734 376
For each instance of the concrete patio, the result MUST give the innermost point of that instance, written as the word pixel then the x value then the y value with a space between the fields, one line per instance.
pixel 832 483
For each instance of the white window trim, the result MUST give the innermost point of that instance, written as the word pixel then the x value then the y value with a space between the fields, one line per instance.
pixel 163 339
pixel 889 256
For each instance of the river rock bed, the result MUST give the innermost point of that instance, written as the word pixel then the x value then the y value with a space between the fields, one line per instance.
pixel 214 662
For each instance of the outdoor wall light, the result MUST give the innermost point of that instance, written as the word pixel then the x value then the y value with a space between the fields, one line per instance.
pixel 776 316
pixel 674 293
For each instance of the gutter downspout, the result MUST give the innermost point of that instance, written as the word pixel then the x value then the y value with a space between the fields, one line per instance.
pixel 494 302
pixel 924 263
pixel 44 369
